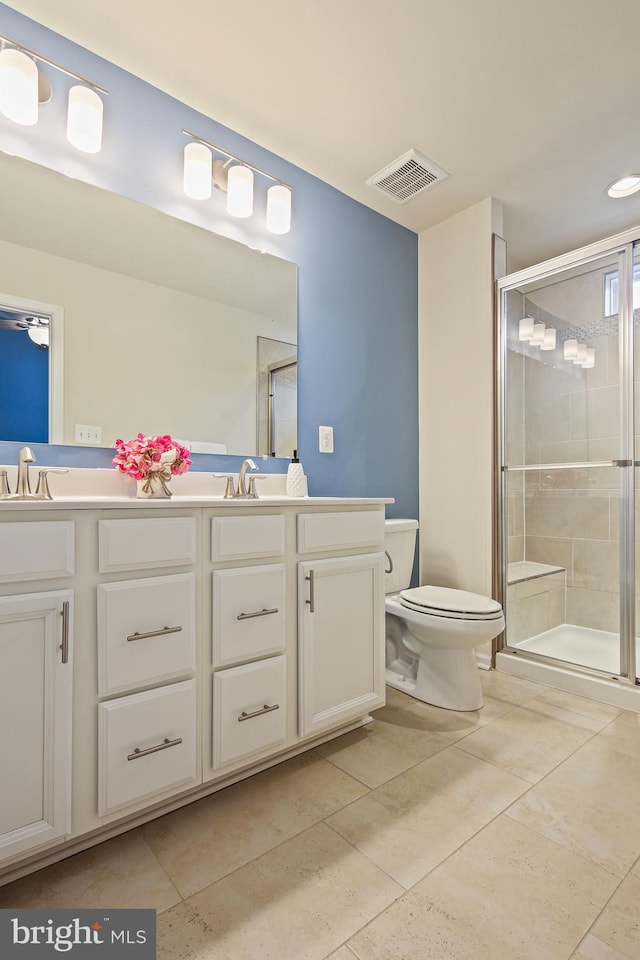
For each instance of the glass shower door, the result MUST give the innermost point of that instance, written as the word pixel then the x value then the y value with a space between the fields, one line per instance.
pixel 567 466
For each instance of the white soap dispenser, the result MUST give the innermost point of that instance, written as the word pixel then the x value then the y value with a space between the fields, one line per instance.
pixel 296 480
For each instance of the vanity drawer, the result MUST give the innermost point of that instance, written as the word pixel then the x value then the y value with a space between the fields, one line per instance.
pixel 340 531
pixel 147 542
pixel 146 631
pixel 146 745
pixel 249 709
pixel 239 538
pixel 36 551
pixel 248 613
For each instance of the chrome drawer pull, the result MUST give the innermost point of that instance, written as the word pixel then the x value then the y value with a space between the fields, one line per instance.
pixel 153 633
pixel 64 646
pixel 166 743
pixel 312 592
pixel 258 713
pixel 258 613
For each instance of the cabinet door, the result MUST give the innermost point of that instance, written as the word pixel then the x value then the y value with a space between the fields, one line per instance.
pixel 341 640
pixel 35 718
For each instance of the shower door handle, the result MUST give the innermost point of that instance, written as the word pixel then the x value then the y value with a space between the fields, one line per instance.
pixel 624 463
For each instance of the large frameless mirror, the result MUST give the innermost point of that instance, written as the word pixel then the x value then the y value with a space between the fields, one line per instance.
pixel 144 322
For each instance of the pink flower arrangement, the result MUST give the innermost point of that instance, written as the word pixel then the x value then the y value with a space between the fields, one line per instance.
pixel 147 455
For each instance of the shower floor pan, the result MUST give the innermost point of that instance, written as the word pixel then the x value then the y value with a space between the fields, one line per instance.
pixel 582 646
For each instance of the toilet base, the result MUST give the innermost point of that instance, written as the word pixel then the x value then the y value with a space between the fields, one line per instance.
pixel 450 679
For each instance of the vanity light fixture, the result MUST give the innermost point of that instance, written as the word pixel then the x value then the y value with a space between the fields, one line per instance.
pixel 197 171
pixel 570 349
pixel 20 79
pixel 239 191
pixel 18 86
pixel 235 177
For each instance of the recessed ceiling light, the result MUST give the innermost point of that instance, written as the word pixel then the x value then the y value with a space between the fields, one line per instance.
pixel 625 186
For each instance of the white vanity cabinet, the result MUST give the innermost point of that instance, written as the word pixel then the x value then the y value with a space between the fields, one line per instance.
pixel 154 652
pixel 248 638
pixel 36 685
pixel 340 619
pixel 146 637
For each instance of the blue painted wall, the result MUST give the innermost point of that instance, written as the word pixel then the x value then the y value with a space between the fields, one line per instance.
pixel 358 274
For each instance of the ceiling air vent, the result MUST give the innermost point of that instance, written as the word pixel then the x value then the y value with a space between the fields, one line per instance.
pixel 408 175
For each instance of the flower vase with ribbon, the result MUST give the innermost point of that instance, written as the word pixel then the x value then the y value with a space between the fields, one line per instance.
pixel 151 461
pixel 155 484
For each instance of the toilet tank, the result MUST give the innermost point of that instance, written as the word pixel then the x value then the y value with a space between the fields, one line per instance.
pixel 400 544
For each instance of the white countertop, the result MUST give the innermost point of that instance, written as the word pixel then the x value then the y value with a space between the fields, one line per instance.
pixel 85 489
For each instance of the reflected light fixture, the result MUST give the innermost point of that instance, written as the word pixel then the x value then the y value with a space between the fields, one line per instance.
pixel 590 359
pixel 549 339
pixel 570 349
pixel 581 353
pixel 235 177
pixel 538 334
pixel 625 186
pixel 23 86
pixel 525 328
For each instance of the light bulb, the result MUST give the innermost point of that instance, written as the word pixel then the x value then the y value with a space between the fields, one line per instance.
pixel 18 87
pixel 84 119
pixel 240 191
pixel 279 209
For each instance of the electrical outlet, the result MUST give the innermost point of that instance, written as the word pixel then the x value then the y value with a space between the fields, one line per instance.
pixel 88 434
pixel 325 439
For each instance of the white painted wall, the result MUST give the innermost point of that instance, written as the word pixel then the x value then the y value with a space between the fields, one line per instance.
pixel 456 398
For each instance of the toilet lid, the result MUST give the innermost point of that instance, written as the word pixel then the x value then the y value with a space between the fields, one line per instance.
pixel 445 602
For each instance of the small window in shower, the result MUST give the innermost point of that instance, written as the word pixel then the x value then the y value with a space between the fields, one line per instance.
pixel 611 292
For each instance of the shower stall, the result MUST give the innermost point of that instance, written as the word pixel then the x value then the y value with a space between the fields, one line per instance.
pixel 568 367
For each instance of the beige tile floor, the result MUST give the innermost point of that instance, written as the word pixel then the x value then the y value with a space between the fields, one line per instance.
pixel 512 833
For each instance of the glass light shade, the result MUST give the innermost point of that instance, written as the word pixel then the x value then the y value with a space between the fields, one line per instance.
pixel 240 191
pixel 84 119
pixel 538 334
pixel 197 171
pixel 549 341
pixel 18 87
pixel 570 349
pixel 525 328
pixel 279 209
pixel 590 359
pixel 581 353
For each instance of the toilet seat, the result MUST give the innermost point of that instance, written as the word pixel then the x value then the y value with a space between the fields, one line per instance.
pixel 446 602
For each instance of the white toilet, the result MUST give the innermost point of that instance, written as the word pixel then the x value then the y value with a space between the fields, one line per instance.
pixel 431 632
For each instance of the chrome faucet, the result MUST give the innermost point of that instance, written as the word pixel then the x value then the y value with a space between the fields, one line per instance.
pixel 23 486
pixel 242 478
